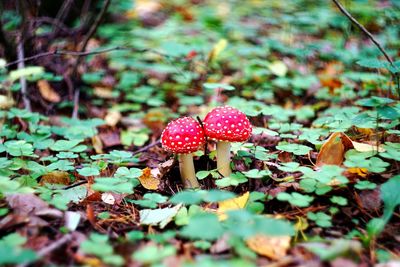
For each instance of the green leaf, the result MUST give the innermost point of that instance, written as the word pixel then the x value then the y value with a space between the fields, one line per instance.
pixel 339 200
pixel 372 63
pixel 202 174
pixel 223 86
pixel 89 171
pixel 19 148
pixel 153 254
pixel 321 219
pixel 187 198
pixel 390 195
pixel 295 199
pixel 296 149
pixel 203 226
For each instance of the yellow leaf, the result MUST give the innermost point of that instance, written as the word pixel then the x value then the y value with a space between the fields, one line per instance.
pixel 48 92
pixel 97 144
pixel 6 102
pixel 148 181
pixel 103 92
pixel 113 117
pixel 363 172
pixel 231 204
pixel 362 147
pixel 272 247
pixel 300 226
pixel 278 68
pixel 217 49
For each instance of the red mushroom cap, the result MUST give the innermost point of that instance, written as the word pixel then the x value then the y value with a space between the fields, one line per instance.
pixel 227 124
pixel 183 136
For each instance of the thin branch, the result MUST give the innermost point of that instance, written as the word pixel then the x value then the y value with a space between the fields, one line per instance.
pixel 364 30
pixel 22 80
pixel 145 148
pixel 50 248
pixel 62 13
pixel 88 53
pixel 85 42
pixel 51 21
pixel 91 32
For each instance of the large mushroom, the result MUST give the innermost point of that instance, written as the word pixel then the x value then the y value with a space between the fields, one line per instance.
pixel 226 125
pixel 184 136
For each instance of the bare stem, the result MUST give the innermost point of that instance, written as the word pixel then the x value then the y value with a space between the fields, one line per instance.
pixel 186 168
pixel 22 80
pixel 224 158
pixel 363 29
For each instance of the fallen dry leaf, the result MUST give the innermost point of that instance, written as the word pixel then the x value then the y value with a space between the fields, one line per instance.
pixel 108 198
pixel 362 147
pixel 148 181
pixel 97 144
pixel 333 150
pixel 363 172
pixel 47 92
pixel 113 117
pixel 231 204
pixel 272 247
pixel 56 177
pixel 103 92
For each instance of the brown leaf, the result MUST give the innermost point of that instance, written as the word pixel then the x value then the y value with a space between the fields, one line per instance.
pixel 56 177
pixel 110 138
pixel 26 203
pixel 333 150
pixel 273 247
pixel 148 181
pixel 48 92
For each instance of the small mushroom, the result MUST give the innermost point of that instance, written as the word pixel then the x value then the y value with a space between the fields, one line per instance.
pixel 226 125
pixel 184 136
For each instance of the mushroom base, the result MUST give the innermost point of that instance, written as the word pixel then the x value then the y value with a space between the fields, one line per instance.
pixel 224 158
pixel 186 168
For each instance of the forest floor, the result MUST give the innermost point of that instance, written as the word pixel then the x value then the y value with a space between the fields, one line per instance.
pixel 316 184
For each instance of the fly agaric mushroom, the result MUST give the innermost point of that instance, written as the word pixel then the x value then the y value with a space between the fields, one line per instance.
pixel 225 125
pixel 184 136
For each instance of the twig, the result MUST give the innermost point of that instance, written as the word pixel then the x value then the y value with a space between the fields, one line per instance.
pixel 75 184
pixel 62 13
pixel 53 246
pixel 22 80
pixel 156 143
pixel 91 32
pixel 88 53
pixel 51 21
pixel 364 30
pixel 75 110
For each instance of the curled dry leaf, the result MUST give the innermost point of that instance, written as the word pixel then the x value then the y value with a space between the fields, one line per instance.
pixel 272 247
pixel 47 92
pixel 148 181
pixel 333 150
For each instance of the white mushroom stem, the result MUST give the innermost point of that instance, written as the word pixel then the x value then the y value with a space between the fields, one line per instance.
pixel 224 158
pixel 186 168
